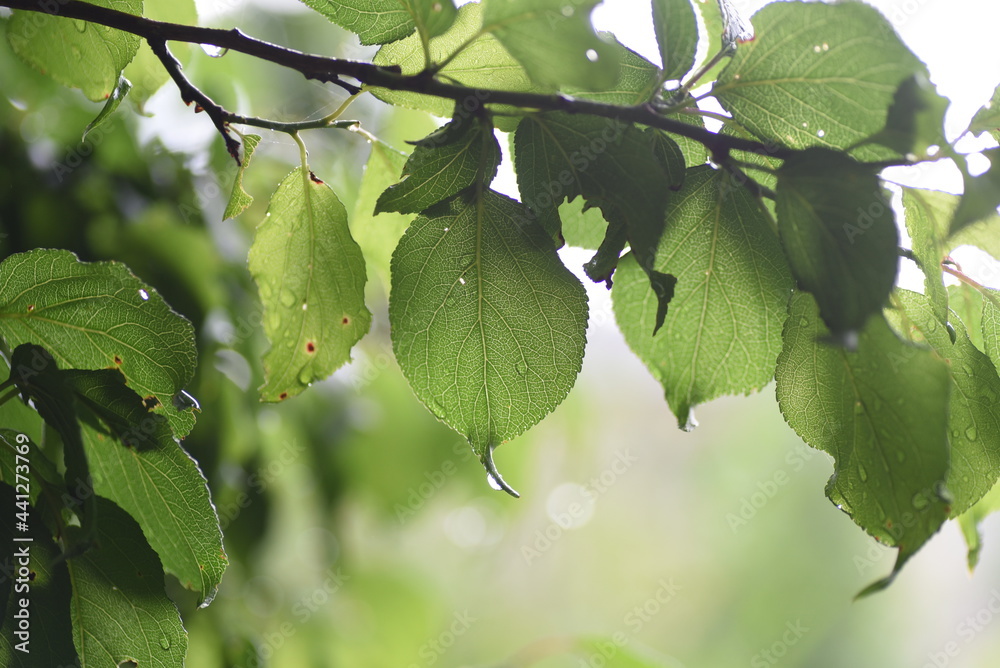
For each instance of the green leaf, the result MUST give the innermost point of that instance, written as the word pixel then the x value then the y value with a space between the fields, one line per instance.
pixel 725 31
pixel 374 21
pixel 50 633
pixel 637 81
pixel 434 16
pixel 582 226
pixel 42 471
pixel 969 523
pixel 161 486
pixel 724 331
pixel 117 95
pixel 676 29
pixel 120 611
pixel 927 214
pixel 967 302
pixel 311 277
pixel 817 75
pixel 984 235
pixel 556 46
pixel 915 121
pixel 991 325
pixel 987 119
pixel 488 326
pixel 974 403
pixel 616 167
pixel 443 164
pixel 146 72
pixel 981 196
pixel 839 235
pixel 94 315
pixel 378 234
pixel 73 52
pixel 39 379
pixel 881 412
pixel 482 63
pixel 240 200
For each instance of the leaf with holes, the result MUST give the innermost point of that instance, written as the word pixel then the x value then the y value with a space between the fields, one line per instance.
pixel 723 333
pixel 488 326
pixel 882 414
pixel 73 52
pixel 817 74
pixel 554 41
pixel 120 611
pixel 311 277
pixel 443 164
pixel 839 236
pixel 93 315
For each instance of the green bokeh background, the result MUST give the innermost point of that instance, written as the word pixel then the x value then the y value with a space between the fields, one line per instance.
pixel 362 532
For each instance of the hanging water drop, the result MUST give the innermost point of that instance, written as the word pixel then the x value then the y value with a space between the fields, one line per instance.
pixel 165 642
pixel 493 482
pixel 214 51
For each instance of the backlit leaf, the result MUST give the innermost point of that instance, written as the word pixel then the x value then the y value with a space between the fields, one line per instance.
pixel 240 200
pixel 378 234
pixel 93 315
pixel 117 95
pixel 839 235
pixel 981 195
pixel 554 41
pixel 817 74
pixel 374 21
pixel 73 52
pixel 676 36
pixel 443 164
pixel 723 333
pixel 881 413
pixel 487 324
pixel 120 611
pixel 311 277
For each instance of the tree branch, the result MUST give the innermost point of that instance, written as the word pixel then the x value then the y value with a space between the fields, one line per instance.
pixel 331 69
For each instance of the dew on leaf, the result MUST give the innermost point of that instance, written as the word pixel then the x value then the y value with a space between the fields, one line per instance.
pixel 287 298
pixel 165 643
pixel 863 473
pixel 592 56
pixel 971 433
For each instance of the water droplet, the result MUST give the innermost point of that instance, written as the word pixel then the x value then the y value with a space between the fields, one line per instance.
pixel 521 368
pixel 493 482
pixel 287 298
pixel 592 55
pixel 461 279
pixel 265 290
pixel 826 47
pixel 817 48
pixel 305 306
pixel 305 377
pixel 144 295
pixel 214 51
pixel 900 456
pixel 858 408
pixel 81 26
pixel 821 133
pixel 273 322
pixel 165 642
pixel 805 124
pixel 863 473
pixel 447 229
pixel 971 433
pixel 919 501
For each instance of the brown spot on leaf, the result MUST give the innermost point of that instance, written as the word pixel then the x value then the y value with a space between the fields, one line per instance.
pixel 310 347
pixel 31 307
pixel 345 321
pixel 283 396
pixel 118 360
pixel 315 178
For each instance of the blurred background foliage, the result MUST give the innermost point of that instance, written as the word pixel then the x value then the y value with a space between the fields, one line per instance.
pixel 361 532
